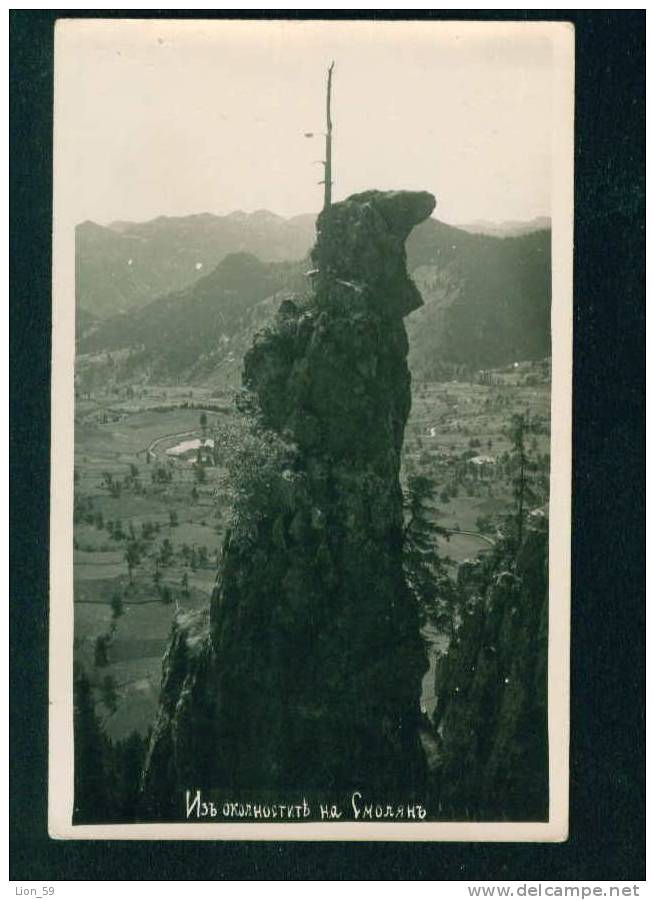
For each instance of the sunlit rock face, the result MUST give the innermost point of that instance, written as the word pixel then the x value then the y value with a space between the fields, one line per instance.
pixel 308 673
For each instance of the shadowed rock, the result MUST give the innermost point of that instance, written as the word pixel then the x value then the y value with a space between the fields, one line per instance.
pixel 307 675
pixel 492 687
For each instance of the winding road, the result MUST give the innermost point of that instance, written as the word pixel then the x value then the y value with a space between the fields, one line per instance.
pixel 195 432
pixel 477 534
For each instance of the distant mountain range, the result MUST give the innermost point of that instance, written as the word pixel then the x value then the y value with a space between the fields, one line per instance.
pixel 487 298
pixel 510 228
pixel 125 265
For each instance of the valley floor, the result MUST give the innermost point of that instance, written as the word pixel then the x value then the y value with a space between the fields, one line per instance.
pixel 149 523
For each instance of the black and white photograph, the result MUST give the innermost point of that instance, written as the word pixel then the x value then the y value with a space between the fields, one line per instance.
pixel 311 430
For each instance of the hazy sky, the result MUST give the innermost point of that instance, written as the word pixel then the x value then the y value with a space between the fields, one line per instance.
pixel 170 118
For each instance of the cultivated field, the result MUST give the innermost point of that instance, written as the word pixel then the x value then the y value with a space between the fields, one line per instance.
pixel 457 435
pixel 162 512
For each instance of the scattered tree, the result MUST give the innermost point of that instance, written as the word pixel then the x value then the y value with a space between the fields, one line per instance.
pixel 101 655
pixel 116 605
pixel 185 585
pixel 203 557
pixel 132 557
pixel 166 552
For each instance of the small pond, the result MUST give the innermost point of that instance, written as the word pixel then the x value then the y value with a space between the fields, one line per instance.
pixel 190 445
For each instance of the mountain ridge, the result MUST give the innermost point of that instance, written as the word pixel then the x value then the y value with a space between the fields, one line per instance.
pixel 124 264
pixel 508 227
pixel 486 303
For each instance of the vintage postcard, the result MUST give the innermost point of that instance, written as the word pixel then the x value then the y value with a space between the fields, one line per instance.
pixel 311 430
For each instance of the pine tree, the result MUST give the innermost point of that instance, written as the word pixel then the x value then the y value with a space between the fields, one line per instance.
pixel 132 557
pixel 116 605
pixel 107 776
pixel 166 552
pixel 129 758
pixel 92 794
pixel 425 568
pixel 101 646
pixel 523 467
pixel 166 595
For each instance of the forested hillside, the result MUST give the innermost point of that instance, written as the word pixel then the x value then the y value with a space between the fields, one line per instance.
pixel 126 265
pixel 486 303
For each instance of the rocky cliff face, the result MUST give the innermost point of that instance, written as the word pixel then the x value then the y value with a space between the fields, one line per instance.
pixel 307 671
pixel 492 708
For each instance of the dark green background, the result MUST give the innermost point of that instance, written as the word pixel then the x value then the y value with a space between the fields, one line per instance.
pixel 608 686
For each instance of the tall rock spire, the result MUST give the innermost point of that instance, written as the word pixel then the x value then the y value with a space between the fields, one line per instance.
pixel 306 674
